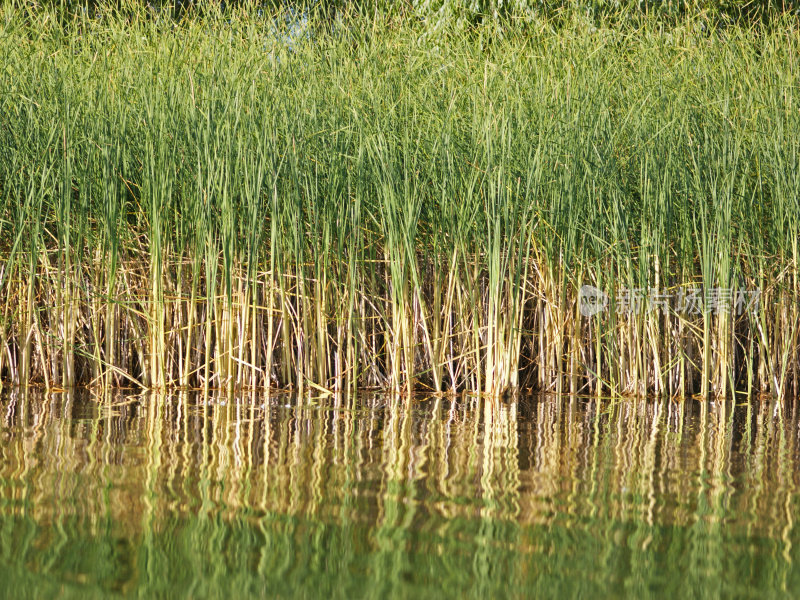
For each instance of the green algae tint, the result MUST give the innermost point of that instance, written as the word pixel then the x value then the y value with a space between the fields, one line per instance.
pixel 379 496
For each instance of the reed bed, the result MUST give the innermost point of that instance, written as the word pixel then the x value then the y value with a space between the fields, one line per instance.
pixel 202 204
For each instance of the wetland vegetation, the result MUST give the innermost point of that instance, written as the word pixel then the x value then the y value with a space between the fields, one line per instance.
pixel 200 204
pixel 272 226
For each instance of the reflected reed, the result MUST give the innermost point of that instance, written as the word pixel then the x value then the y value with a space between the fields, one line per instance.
pixel 385 495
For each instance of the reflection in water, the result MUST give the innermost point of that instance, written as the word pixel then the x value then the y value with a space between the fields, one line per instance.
pixel 384 496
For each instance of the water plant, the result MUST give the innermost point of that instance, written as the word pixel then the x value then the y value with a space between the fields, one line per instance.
pixel 194 204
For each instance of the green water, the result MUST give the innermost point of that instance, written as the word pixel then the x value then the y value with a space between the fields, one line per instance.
pixel 376 496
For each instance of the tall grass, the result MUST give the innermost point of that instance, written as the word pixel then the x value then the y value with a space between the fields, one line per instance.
pixel 196 204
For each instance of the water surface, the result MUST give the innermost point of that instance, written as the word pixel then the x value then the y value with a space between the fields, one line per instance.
pixel 380 496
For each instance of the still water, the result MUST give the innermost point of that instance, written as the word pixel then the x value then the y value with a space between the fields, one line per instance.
pixel 381 496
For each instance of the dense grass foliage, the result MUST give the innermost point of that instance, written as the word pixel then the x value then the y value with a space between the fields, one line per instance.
pixel 205 204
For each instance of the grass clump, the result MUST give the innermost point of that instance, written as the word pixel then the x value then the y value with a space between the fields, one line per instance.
pixel 200 204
